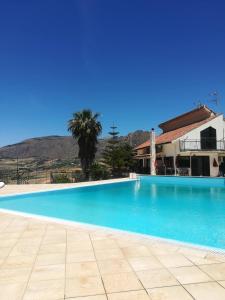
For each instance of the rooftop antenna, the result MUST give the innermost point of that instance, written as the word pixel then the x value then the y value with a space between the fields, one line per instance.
pixel 215 98
pixel 198 103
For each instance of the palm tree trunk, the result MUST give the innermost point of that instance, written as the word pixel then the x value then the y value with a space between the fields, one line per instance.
pixel 85 169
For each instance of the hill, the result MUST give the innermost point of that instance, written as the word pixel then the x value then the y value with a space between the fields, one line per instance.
pixel 60 147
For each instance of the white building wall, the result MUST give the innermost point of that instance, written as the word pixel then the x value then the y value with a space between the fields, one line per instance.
pixel 169 149
pixel 214 171
pixel 217 123
pixel 173 149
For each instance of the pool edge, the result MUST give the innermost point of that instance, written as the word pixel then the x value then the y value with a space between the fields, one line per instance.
pixel 208 249
pixel 76 185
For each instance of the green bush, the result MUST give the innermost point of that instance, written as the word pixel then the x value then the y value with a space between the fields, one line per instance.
pixel 61 178
pixel 78 176
pixel 98 172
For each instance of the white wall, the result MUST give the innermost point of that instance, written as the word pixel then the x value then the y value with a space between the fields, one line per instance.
pixel 218 123
pixel 214 171
pixel 170 149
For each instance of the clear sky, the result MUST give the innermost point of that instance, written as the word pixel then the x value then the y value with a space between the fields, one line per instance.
pixel 137 62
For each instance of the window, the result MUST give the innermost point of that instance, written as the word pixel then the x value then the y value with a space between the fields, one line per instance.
pixel 208 139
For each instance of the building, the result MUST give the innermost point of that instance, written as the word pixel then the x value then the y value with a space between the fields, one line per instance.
pixel 190 144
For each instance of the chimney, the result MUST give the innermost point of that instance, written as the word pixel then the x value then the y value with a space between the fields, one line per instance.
pixel 152 152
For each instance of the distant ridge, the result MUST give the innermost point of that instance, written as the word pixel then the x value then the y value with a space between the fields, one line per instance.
pixel 60 147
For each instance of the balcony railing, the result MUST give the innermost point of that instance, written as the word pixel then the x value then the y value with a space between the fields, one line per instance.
pixel 146 151
pixel 207 144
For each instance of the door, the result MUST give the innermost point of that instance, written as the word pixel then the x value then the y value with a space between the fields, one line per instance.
pixel 200 166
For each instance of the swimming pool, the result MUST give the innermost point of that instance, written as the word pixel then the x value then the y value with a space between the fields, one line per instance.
pixel 189 210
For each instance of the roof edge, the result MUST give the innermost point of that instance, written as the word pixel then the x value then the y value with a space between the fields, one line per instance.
pixel 185 114
pixel 216 116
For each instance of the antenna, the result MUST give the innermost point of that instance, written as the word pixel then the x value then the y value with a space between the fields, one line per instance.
pixel 215 98
pixel 197 103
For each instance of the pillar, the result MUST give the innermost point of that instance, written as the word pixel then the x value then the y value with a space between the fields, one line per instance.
pixel 152 151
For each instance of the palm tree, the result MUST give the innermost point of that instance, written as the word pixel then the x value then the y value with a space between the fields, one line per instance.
pixel 86 128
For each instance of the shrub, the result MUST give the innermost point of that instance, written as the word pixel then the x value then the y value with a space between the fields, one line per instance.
pixel 98 172
pixel 60 178
pixel 78 176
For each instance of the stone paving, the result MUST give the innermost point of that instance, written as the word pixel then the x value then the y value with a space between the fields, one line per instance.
pixel 45 260
pixel 52 261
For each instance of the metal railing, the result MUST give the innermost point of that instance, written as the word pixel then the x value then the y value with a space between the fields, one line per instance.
pixel 39 176
pixel 202 145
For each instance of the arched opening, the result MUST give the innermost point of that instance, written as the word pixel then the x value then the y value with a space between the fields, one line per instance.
pixel 208 139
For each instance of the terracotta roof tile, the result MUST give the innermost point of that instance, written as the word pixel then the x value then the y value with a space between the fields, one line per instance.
pixel 196 115
pixel 170 136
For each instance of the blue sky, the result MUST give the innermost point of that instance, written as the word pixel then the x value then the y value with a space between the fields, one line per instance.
pixel 137 62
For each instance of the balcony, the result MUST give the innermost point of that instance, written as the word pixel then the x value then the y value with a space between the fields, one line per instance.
pixel 206 144
pixel 145 152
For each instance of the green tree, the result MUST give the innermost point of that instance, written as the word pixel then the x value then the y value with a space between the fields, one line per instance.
pixel 108 153
pixel 118 156
pixel 86 128
pixel 123 159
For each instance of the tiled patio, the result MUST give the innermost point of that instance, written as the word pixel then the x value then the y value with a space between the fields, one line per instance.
pixel 42 260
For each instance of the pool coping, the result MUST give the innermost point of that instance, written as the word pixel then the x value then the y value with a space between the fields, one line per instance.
pixel 73 186
pixel 209 249
pixel 112 230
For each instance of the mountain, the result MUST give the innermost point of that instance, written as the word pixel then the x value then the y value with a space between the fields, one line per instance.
pixel 61 147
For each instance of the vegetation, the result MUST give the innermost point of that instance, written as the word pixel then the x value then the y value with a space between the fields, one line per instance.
pixel 118 156
pixel 60 178
pixel 122 156
pixel 77 176
pixel 109 157
pixel 86 128
pixel 99 172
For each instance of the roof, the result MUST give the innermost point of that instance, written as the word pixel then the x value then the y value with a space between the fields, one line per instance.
pixel 196 115
pixel 172 135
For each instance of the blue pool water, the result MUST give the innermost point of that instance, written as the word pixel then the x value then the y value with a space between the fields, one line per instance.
pixel 184 209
